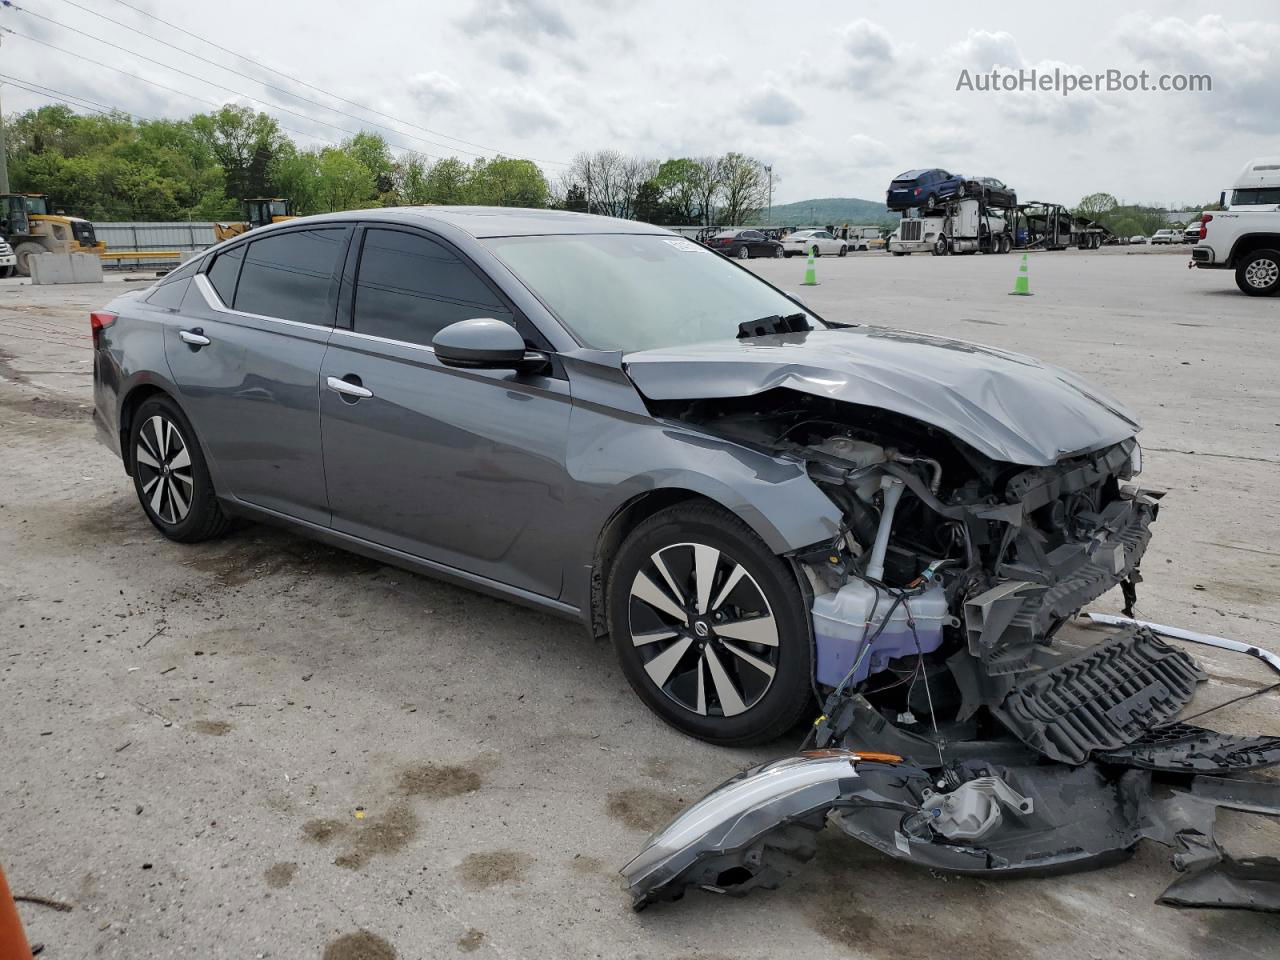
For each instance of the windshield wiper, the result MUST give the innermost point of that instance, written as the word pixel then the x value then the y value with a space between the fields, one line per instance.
pixel 768 326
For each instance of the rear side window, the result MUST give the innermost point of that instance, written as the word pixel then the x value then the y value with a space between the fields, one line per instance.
pixel 223 273
pixel 169 295
pixel 291 275
pixel 409 287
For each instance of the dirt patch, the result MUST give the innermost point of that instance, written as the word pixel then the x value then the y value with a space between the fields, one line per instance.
pixel 642 808
pixel 479 871
pixel 377 836
pixel 361 945
pixel 471 940
pixel 213 728
pixel 280 874
pixel 240 561
pixel 323 830
pixel 437 780
pixel 587 865
pixel 46 407
pixel 659 768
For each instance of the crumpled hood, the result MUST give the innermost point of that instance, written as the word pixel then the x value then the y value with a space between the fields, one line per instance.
pixel 1007 406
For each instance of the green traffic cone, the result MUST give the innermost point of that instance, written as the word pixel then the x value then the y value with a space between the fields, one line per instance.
pixel 1021 286
pixel 810 272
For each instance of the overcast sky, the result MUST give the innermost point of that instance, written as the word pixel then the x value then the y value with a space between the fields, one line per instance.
pixel 839 97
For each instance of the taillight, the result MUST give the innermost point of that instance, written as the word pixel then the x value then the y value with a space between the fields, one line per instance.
pixel 99 320
pixel 1204 224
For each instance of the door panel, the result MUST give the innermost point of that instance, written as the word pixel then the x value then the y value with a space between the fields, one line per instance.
pixel 462 467
pixel 252 392
pixel 465 468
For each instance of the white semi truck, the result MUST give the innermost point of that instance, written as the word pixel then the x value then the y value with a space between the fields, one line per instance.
pixel 966 225
pixel 1245 235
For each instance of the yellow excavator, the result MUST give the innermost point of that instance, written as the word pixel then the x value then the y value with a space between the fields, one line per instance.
pixel 257 212
pixel 29 227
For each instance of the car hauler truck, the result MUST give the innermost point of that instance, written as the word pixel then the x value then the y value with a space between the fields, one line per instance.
pixel 1051 226
pixel 968 225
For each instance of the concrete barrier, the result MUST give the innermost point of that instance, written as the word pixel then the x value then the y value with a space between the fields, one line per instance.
pixel 65 268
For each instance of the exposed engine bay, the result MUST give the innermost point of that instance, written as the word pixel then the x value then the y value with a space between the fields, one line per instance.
pixel 955 732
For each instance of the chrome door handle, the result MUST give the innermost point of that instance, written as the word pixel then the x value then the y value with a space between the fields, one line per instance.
pixel 348 389
pixel 194 337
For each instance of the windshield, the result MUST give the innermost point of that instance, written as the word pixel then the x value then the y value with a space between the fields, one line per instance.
pixel 38 206
pixel 633 292
pixel 1257 196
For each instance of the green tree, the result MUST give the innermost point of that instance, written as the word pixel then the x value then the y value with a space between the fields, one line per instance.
pixel 244 143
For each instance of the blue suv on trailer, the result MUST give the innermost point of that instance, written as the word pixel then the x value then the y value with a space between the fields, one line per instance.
pixel 922 188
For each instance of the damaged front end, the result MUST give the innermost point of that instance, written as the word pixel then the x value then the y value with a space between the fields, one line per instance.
pixel 999 749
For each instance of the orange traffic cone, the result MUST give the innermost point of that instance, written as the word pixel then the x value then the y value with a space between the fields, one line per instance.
pixel 13 942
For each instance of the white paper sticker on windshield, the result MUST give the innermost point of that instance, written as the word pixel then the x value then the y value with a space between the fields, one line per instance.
pixel 684 246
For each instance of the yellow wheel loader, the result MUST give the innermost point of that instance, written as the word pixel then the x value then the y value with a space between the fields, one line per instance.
pixel 257 212
pixel 29 227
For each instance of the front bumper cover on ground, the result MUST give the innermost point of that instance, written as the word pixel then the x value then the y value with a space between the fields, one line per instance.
pixel 759 827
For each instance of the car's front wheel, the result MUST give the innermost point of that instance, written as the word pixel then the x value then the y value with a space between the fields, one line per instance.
pixel 170 474
pixel 1259 273
pixel 843 250
pixel 710 626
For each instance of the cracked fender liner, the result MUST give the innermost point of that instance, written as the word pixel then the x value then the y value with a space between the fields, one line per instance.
pixel 719 843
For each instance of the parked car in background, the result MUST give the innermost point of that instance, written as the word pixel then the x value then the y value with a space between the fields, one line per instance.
pixel 817 242
pixel 1138 238
pixel 8 260
pixel 995 192
pixel 922 188
pixel 1165 236
pixel 744 244
pixel 1192 233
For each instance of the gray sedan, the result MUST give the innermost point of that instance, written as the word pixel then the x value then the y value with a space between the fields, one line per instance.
pixel 605 420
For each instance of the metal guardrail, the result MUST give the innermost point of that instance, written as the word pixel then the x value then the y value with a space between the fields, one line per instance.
pixel 160 239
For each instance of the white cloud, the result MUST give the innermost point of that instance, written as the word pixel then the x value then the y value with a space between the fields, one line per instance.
pixel 434 90
pixel 771 107
pixel 526 111
pixel 523 18
pixel 864 151
pixel 868 54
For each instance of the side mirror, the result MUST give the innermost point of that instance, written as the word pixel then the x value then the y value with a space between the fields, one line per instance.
pixel 483 343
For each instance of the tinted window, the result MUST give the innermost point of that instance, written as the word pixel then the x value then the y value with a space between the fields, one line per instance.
pixel 409 287
pixel 290 275
pixel 222 275
pixel 169 294
pixel 187 269
pixel 1255 197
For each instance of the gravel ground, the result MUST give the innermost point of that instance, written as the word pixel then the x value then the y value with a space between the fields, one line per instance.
pixel 263 747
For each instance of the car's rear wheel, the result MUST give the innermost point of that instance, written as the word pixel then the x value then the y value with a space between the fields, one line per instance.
pixel 815 251
pixel 170 474
pixel 744 252
pixel 1259 274
pixel 710 627
pixel 777 251
pixel 843 250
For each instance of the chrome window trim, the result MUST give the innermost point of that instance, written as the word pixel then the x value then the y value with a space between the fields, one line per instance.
pixel 395 343
pixel 215 303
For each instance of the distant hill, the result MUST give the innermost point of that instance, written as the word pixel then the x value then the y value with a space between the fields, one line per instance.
pixel 832 210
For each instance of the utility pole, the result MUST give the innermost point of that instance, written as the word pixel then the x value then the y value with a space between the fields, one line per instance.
pixel 769 170
pixel 4 161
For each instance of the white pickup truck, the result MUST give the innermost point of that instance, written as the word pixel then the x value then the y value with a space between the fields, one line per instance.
pixel 1245 236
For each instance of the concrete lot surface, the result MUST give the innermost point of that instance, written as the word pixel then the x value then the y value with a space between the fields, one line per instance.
pixel 261 747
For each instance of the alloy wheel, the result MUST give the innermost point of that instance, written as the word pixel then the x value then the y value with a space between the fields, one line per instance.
pixel 1261 274
pixel 704 629
pixel 163 462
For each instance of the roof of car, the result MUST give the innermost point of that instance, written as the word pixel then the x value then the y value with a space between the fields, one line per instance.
pixel 498 221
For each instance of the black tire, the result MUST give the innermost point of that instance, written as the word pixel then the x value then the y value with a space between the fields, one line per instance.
pixel 744 252
pixel 693 681
pixel 7 272
pixel 844 250
pixel 1258 274
pixel 816 251
pixel 931 201
pixel 777 252
pixel 161 492
pixel 898 253
pixel 941 247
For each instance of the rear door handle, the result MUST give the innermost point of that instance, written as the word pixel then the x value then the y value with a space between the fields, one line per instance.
pixel 348 389
pixel 194 337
